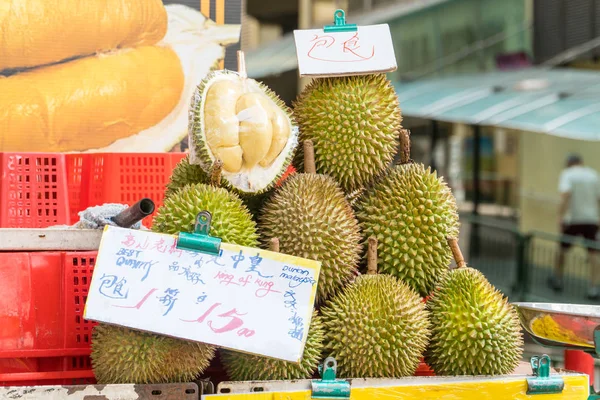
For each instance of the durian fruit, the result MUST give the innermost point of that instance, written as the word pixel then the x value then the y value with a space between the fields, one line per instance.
pixel 377 327
pixel 475 330
pixel 231 220
pixel 185 174
pixel 123 355
pixel 354 123
pixel 159 359
pixel 312 219
pixel 244 124
pixel 411 211
pixel 248 367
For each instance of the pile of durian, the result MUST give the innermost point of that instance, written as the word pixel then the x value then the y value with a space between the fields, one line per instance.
pixel 385 233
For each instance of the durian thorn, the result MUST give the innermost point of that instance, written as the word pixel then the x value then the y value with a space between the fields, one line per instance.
pixel 372 256
pixel 274 245
pixel 241 61
pixel 405 146
pixel 215 173
pixel 309 157
pixel 458 256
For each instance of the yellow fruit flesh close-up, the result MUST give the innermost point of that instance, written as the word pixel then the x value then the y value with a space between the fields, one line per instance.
pixel 41 32
pixel 89 102
pixel 243 127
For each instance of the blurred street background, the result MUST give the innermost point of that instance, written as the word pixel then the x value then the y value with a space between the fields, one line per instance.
pixel 497 95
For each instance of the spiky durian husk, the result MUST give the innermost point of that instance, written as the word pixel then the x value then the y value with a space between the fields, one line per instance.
pixel 377 327
pixel 201 149
pixel 185 174
pixel 231 220
pixel 247 367
pixel 312 219
pixel 475 330
pixel 412 212
pixel 354 124
pixel 123 355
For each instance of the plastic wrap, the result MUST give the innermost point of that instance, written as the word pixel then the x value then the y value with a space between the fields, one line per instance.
pixel 39 32
pixel 89 102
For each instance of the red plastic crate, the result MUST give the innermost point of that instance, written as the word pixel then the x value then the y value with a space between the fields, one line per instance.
pixel 99 178
pixel 44 339
pixel 33 190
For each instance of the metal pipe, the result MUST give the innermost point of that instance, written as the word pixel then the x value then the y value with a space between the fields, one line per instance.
pixel 134 214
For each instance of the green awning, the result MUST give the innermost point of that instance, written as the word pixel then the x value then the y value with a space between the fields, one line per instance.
pixel 561 102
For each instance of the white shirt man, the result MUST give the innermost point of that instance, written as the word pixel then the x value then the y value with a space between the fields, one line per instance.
pixel 579 215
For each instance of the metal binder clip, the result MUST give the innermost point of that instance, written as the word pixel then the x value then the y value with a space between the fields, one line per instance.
pixel 328 387
pixel 200 240
pixel 339 23
pixel 542 382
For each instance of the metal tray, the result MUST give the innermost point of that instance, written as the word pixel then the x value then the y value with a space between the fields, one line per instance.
pixel 563 325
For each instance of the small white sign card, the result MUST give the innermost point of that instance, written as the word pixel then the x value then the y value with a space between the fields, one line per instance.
pixel 245 299
pixel 368 49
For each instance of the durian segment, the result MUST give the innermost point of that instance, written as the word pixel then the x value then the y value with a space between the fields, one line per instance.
pixel 245 124
pixel 102 98
pixel 41 32
pixel 123 355
pixel 475 330
pixel 354 123
pixel 248 367
pixel 412 212
pixel 312 219
pixel 256 130
pixel 377 327
pixel 231 220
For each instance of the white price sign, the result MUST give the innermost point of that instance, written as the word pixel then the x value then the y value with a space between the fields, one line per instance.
pixel 244 299
pixel 369 49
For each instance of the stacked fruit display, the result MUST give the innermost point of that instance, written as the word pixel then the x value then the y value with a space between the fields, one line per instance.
pixel 352 210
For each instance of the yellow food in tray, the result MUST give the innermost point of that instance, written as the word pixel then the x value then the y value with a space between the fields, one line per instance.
pixel 39 32
pixel 89 102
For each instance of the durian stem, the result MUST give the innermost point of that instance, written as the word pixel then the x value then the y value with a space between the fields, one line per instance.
pixel 215 173
pixel 458 256
pixel 404 146
pixel 274 245
pixel 372 256
pixel 309 157
pixel 241 60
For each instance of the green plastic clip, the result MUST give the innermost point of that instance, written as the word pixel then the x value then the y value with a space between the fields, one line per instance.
pixel 200 240
pixel 329 387
pixel 339 23
pixel 542 382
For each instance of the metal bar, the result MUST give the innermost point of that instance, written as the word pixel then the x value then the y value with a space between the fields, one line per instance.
pixel 25 239
pixel 433 142
pixel 134 214
pixel 476 167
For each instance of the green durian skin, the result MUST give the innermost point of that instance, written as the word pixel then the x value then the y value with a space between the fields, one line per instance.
pixel 354 123
pixel 185 174
pixel 188 174
pixel 248 367
pixel 377 327
pixel 121 355
pixel 312 219
pixel 201 149
pixel 475 330
pixel 231 220
pixel 412 213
